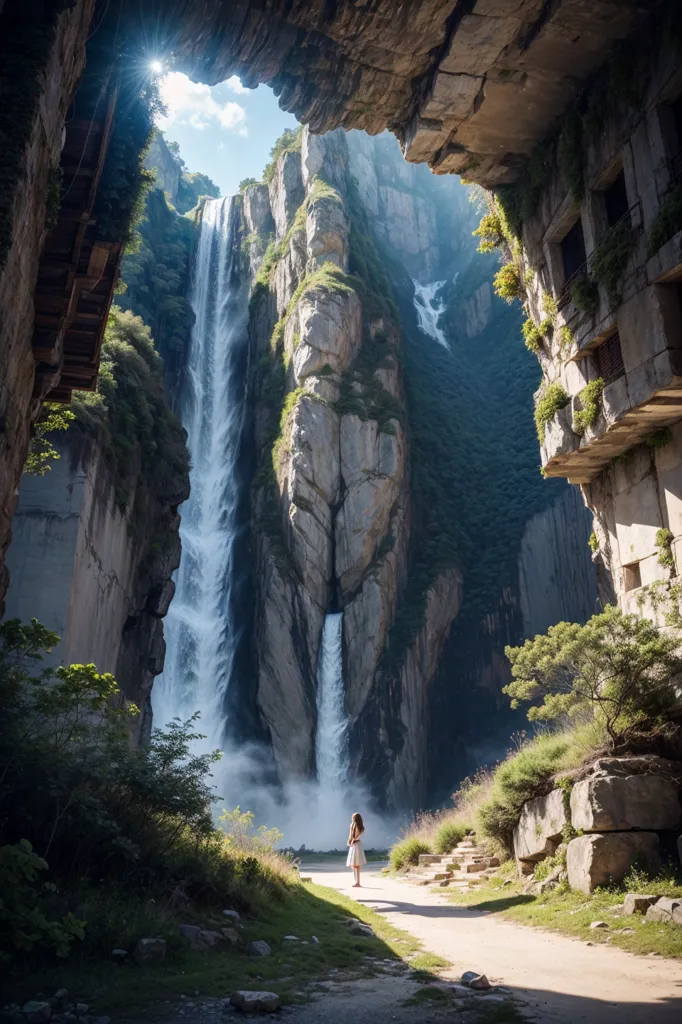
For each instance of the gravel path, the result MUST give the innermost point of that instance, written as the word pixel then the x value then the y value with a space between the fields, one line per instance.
pixel 558 979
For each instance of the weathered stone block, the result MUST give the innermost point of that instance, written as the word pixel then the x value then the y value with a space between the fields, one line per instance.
pixel 597 860
pixel 635 904
pixel 617 803
pixel 150 951
pixel 666 911
pixel 538 832
pixel 263 1002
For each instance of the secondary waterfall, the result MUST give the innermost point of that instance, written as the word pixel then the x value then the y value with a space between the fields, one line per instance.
pixel 331 740
pixel 427 312
pixel 201 627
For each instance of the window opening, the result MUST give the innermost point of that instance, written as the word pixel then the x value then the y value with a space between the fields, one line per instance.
pixel 616 199
pixel 573 251
pixel 610 359
pixel 632 577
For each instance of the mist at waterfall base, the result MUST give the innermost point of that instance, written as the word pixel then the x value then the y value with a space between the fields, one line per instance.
pixel 203 623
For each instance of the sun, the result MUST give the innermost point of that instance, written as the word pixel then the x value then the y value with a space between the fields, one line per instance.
pixel 156 66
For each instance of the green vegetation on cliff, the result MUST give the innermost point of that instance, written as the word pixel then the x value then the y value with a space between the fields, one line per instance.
pixel 156 278
pixel 129 416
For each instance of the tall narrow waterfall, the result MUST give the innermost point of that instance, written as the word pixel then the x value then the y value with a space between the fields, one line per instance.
pixel 427 312
pixel 331 740
pixel 201 628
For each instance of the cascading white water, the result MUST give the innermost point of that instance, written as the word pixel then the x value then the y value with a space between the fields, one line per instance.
pixel 427 312
pixel 331 740
pixel 200 629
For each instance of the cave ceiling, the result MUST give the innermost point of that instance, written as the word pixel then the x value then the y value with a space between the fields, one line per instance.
pixel 468 86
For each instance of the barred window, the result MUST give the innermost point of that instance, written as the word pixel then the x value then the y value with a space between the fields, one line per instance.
pixel 610 359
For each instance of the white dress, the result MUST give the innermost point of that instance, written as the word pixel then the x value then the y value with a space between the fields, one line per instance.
pixel 356 855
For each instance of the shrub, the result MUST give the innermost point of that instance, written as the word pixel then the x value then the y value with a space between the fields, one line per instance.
pixel 128 414
pixel 448 835
pixel 97 808
pixel 585 294
pixel 593 542
pixel 615 670
pixel 521 777
pixel 507 283
pixel 664 540
pixel 551 400
pixel 590 398
pixel 41 452
pixel 288 142
pixel 490 232
pixel 667 222
pixel 26 921
pixel 532 336
pixel 406 853
pixel 611 257
pixel 245 182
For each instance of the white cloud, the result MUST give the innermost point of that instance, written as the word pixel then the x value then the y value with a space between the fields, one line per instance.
pixel 193 103
pixel 234 85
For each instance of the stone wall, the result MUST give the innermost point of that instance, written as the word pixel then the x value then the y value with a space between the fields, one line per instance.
pixel 626 342
pixel 19 405
pixel 81 568
pixel 624 809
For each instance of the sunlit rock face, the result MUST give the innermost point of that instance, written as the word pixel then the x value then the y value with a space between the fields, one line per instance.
pixel 91 572
pixel 466 87
pixel 337 528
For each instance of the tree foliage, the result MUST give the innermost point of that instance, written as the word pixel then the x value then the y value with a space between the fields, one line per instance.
pixel 128 414
pixel 53 417
pixel 618 669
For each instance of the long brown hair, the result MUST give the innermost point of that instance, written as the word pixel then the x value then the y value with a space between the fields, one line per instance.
pixel 357 824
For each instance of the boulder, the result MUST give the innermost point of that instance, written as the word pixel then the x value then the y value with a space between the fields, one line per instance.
pixel 150 951
pixel 231 935
pixel 258 948
pixel 60 1000
pixel 36 1012
pixel 616 803
pixel 250 1002
pixel 231 914
pixel 540 826
pixel 361 929
pixel 595 860
pixel 191 933
pixel 210 938
pixel 636 904
pixel 473 980
pixel 665 910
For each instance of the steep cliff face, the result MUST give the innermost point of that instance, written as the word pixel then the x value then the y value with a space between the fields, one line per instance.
pixel 557 580
pixel 83 568
pixel 38 116
pixel 331 496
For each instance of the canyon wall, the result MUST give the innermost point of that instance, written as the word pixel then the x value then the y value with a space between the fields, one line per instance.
pixel 84 569
pixel 367 430
pixel 331 494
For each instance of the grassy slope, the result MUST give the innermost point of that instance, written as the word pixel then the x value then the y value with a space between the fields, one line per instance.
pixel 313 910
pixel 572 912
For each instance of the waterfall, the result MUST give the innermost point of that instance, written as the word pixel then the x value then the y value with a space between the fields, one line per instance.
pixel 427 312
pixel 201 629
pixel 331 740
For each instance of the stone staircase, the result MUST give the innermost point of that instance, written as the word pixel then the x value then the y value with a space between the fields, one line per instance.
pixel 467 864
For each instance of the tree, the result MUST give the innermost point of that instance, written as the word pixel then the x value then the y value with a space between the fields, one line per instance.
pixel 618 669
pixel 245 182
pixel 42 452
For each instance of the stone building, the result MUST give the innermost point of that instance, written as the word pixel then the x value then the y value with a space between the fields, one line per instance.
pixel 601 265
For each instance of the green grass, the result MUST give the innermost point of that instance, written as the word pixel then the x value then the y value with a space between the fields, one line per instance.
pixel 313 910
pixel 571 913
pixel 406 852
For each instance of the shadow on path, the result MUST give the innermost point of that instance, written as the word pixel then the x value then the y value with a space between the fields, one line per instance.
pixel 445 910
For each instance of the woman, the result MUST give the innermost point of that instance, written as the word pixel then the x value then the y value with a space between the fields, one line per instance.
pixel 356 854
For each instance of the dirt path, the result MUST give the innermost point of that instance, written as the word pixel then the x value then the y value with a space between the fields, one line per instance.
pixel 561 980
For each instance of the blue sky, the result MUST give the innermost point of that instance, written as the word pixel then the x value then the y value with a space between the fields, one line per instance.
pixel 225 131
